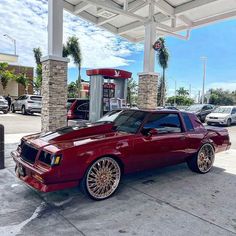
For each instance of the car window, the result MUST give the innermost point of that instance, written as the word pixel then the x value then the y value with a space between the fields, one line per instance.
pixel 129 121
pixel 164 123
pixel 19 98
pixel 83 107
pixel 36 98
pixel 187 121
pixel 23 97
pixel 205 108
pixel 209 107
pixel 234 110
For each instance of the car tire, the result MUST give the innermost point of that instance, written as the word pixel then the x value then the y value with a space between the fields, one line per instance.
pixel 13 109
pixel 23 110
pixel 203 160
pixel 229 122
pixel 5 112
pixel 101 179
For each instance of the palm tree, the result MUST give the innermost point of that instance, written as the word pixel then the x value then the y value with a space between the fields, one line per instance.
pixel 163 58
pixel 72 87
pixel 23 80
pixel 5 75
pixel 38 80
pixel 182 91
pixel 72 48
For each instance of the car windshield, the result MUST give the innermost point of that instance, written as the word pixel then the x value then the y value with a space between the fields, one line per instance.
pixel 194 108
pixel 110 116
pixel 129 121
pixel 225 110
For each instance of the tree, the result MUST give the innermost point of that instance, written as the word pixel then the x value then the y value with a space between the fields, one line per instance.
pixel 180 100
pixel 132 91
pixel 23 80
pixel 163 58
pixel 72 87
pixel 37 83
pixel 72 48
pixel 182 91
pixel 5 75
pixel 221 97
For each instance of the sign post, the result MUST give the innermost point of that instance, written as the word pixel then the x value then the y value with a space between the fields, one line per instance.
pixel 2 154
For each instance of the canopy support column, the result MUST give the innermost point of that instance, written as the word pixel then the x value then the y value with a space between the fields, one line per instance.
pixel 54 66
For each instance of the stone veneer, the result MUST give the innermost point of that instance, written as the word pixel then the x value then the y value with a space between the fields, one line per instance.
pixel 54 93
pixel 147 91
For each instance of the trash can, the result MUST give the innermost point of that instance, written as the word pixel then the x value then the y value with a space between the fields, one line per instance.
pixel 2 154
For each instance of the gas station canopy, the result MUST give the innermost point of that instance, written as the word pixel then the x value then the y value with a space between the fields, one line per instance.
pixel 127 18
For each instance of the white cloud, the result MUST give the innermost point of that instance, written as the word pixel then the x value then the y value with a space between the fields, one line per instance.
pixel 26 21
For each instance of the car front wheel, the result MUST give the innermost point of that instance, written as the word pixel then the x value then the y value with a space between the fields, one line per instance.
pixel 203 161
pixel 102 178
pixel 13 109
pixel 229 122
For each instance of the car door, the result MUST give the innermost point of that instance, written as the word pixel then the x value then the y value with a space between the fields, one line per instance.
pixel 16 105
pixel 233 115
pixel 164 148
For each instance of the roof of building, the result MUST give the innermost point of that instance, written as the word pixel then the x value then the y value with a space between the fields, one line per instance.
pixel 128 17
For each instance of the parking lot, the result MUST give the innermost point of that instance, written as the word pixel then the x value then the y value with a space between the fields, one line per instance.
pixel 169 201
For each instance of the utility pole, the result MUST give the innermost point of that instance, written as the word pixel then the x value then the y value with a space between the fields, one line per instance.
pixel 204 59
pixel 13 40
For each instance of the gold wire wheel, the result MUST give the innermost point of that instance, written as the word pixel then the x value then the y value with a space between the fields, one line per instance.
pixel 103 178
pixel 206 157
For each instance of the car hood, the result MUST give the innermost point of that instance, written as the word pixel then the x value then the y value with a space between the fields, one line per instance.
pixel 73 136
pixel 218 115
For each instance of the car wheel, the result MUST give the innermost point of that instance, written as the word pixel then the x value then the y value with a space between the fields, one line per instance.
pixel 5 112
pixel 102 178
pixel 229 122
pixel 203 161
pixel 23 110
pixel 13 109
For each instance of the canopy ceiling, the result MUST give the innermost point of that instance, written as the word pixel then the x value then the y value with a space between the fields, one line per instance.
pixel 127 18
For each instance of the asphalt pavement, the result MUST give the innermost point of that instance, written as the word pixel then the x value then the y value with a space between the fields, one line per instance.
pixel 168 201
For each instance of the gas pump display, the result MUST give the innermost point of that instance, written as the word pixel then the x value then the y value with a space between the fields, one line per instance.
pixel 108 94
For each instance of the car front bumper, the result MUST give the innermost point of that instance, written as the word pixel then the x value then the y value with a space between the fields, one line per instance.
pixel 3 107
pixel 216 121
pixel 34 110
pixel 30 174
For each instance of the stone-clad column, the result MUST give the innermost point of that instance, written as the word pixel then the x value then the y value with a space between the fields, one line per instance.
pixel 54 93
pixel 147 90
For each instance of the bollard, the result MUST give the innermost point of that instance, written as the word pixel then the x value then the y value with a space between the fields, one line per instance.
pixel 2 154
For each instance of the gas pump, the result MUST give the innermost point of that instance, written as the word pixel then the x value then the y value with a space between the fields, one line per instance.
pixel 108 91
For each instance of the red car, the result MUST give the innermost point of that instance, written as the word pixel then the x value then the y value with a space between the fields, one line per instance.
pixel 96 155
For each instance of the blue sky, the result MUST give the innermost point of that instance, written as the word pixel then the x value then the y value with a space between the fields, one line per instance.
pixel 26 21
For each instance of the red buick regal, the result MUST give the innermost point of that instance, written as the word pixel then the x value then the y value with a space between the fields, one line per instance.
pixel 95 156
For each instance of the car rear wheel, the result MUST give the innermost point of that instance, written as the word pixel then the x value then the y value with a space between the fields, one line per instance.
pixel 229 122
pixel 102 178
pixel 203 161
pixel 23 110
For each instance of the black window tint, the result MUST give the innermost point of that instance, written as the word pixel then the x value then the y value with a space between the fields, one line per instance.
pixel 83 107
pixel 164 123
pixel 129 121
pixel 187 122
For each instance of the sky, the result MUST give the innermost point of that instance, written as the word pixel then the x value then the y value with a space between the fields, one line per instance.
pixel 26 21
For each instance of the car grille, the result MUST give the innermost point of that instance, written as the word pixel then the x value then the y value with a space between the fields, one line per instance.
pixel 28 153
pixel 215 118
pixel 1 102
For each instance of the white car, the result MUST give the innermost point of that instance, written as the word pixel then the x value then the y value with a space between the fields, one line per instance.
pixel 3 105
pixel 27 104
pixel 223 115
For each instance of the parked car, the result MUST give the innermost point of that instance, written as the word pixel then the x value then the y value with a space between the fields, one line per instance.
pixel 3 105
pixel 223 115
pixel 201 110
pixel 96 155
pixel 27 104
pixel 78 108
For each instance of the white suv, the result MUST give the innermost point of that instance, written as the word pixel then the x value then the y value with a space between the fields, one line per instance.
pixel 27 104
pixel 223 115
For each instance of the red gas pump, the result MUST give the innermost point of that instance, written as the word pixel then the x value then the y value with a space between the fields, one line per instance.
pixel 108 91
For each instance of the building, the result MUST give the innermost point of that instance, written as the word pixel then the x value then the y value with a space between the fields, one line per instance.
pixel 13 88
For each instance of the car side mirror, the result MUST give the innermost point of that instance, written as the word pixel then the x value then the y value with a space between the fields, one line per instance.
pixel 153 132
